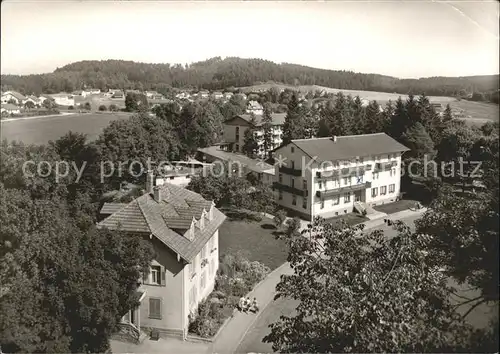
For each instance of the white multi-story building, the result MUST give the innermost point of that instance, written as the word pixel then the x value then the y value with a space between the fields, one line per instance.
pixel 234 132
pixel 328 177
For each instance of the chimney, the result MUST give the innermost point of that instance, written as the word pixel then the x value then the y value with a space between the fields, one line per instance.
pixel 149 182
pixel 334 138
pixel 157 194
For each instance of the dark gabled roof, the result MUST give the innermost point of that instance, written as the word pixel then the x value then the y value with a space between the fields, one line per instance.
pixel 348 147
pixel 278 118
pixel 250 164
pixel 111 208
pixel 16 94
pixel 167 219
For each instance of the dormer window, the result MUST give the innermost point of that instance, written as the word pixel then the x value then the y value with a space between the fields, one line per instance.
pixel 202 221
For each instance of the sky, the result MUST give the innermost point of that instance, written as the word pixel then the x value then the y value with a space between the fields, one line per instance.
pixel 406 39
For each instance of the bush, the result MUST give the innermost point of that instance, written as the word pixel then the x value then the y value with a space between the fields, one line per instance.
pixel 235 278
pixel 113 108
pixel 279 218
pixel 71 108
pixel 103 108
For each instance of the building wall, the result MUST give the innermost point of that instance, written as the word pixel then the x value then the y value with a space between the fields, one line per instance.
pixel 171 294
pixel 176 180
pixel 194 283
pixel 175 297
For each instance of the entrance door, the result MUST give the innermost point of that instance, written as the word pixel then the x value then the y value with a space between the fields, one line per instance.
pixel 132 316
pixel 357 196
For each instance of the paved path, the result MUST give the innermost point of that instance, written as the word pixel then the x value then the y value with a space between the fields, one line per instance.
pixel 232 335
pixel 235 330
pixel 5 120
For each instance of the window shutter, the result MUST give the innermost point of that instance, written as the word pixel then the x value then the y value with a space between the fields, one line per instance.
pixel 163 276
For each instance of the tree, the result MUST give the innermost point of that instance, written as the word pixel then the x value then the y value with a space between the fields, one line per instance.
pixel 418 140
pixel 267 127
pixel 447 114
pixel 29 105
pixel 61 292
pixel 135 102
pixel 113 108
pixel 250 142
pixel 87 106
pixel 103 108
pixel 50 104
pixel 373 119
pixel 363 294
pixel 279 218
pixel 295 126
pixel 464 241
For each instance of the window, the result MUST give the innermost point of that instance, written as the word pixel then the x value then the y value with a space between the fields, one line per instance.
pixel 156 275
pixel 383 190
pixel 294 200
pixel 203 281
pixel 359 179
pixel 375 175
pixel 192 267
pixel 336 200
pixel 322 203
pixel 336 213
pixel 304 184
pixel 393 172
pixel 304 203
pixel 293 182
pixel 192 295
pixel 293 165
pixel 347 197
pixel 155 308
pixel 335 183
pixel 292 149
pixel 320 184
pixel 237 147
pixel 374 192
pixel 392 188
pixel 280 178
pixel 346 181
pixel 211 243
pixel 280 195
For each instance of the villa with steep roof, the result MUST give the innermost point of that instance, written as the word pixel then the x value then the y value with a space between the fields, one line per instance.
pixel 184 230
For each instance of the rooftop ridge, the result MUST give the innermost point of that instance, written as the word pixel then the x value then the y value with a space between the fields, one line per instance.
pixel 339 136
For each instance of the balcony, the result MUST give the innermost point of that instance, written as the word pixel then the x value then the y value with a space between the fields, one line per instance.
pixel 290 171
pixel 292 190
pixel 335 191
pixel 343 173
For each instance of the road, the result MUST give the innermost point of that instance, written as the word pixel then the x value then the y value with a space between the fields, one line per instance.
pixel 252 341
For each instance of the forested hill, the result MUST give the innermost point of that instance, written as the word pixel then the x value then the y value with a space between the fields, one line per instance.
pixel 217 73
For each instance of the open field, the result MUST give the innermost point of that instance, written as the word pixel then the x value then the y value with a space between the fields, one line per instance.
pixel 476 112
pixel 41 130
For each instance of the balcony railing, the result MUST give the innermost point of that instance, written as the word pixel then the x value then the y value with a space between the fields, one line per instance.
pixel 290 171
pixel 335 191
pixel 285 188
pixel 343 173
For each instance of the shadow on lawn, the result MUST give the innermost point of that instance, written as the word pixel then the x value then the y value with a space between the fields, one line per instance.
pixel 241 215
pixel 268 226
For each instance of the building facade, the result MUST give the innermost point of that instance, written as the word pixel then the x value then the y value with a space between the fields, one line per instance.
pixel 184 231
pixel 328 177
pixel 234 132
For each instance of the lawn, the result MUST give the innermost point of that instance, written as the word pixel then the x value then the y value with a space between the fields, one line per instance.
pixel 395 207
pixel 255 240
pixel 41 130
